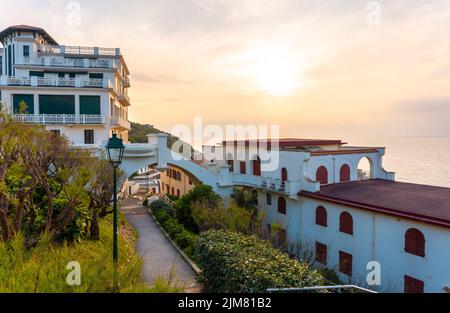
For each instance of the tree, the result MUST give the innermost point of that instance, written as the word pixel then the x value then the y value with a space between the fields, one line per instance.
pixel 184 205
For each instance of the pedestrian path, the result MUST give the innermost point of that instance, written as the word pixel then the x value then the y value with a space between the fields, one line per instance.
pixel 157 252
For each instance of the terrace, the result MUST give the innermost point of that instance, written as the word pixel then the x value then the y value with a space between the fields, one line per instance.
pixel 60 119
pixel 56 82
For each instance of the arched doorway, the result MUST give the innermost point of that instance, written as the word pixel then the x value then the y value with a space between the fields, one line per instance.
pixel 365 169
pixel 344 173
pixel 322 175
pixel 257 166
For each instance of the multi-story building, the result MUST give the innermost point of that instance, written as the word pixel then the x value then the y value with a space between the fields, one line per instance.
pixel 78 92
pixel 345 217
pixel 176 182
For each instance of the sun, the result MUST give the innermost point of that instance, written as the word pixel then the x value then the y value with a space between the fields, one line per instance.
pixel 275 71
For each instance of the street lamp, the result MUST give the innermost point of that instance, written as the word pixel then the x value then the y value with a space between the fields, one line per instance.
pixel 115 149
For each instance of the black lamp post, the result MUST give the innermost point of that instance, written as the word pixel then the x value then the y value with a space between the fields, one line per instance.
pixel 115 149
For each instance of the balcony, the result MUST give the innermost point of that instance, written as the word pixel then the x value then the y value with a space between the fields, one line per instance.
pixel 78 50
pixel 64 62
pixel 126 82
pixel 59 119
pixel 124 99
pixel 267 183
pixel 119 122
pixel 56 82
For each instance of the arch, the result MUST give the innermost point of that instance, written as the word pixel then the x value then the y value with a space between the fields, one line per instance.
pixel 281 205
pixel 255 197
pixel 344 173
pixel 284 174
pixel 365 168
pixel 346 223
pixel 256 166
pixel 322 175
pixel 321 216
pixel 415 242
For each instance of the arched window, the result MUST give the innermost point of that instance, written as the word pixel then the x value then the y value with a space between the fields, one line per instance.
pixel 281 205
pixel 284 174
pixel 415 242
pixel 344 173
pixel 257 167
pixel 321 216
pixel 346 223
pixel 365 169
pixel 322 175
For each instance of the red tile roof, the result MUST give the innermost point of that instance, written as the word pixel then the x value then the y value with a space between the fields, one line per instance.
pixel 286 142
pixel 423 203
pixel 27 28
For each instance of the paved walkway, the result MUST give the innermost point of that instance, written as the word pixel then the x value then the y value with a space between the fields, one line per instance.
pixel 157 252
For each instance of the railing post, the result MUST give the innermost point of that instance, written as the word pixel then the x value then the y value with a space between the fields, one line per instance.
pixel 64 119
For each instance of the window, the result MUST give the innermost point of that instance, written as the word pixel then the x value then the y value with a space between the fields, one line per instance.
pixel 322 175
pixel 243 167
pixel 415 242
pixel 321 216
pixel 281 205
pixel 413 285
pixel 88 136
pixel 257 167
pixel 55 132
pixel 345 263
pixel 90 105
pixel 268 199
pixel 178 193
pixel 96 75
pixel 23 104
pixel 36 74
pixel 344 173
pixel 167 188
pixel 56 104
pixel 281 237
pixel 173 191
pixel 26 51
pixel 190 181
pixel 346 223
pixel 321 253
pixel 231 165
pixel 284 174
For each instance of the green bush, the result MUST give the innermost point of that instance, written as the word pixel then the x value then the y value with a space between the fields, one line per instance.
pixel 160 205
pixel 184 205
pixel 162 216
pixel 237 263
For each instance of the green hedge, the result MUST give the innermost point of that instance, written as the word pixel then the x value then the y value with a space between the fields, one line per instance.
pixel 233 262
pixel 185 239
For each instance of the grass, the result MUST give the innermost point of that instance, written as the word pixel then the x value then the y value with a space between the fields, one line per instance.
pixel 43 268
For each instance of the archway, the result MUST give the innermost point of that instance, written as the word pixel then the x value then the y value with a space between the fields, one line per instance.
pixel 322 175
pixel 365 169
pixel 284 174
pixel 344 173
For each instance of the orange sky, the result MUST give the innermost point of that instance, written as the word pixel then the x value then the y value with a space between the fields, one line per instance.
pixel 317 70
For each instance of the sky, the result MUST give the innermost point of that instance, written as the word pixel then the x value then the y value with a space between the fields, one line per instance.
pixel 315 68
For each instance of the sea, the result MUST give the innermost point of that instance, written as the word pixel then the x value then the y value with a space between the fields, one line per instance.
pixel 421 160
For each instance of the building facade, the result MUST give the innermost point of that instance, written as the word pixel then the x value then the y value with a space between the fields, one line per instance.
pixel 175 182
pixel 78 92
pixel 350 219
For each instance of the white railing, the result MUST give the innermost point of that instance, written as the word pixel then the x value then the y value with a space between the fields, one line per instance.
pixel 18 81
pixel 64 62
pixel 79 50
pixel 119 121
pixel 56 82
pixel 273 184
pixel 46 119
pixel 364 175
pixel 124 99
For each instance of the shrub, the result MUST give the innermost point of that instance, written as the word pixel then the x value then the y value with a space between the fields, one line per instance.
pixel 145 203
pixel 160 205
pixel 162 216
pixel 236 263
pixel 184 205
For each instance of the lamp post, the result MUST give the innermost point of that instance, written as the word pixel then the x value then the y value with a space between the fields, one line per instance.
pixel 115 149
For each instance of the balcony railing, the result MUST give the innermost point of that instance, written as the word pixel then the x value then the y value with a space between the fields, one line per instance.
pixel 65 62
pixel 78 50
pixel 124 99
pixel 117 121
pixel 272 184
pixel 56 82
pixel 46 119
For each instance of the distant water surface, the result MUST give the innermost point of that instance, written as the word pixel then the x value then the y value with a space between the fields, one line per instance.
pixel 422 160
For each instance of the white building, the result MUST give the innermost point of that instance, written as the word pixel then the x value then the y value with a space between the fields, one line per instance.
pixel 78 92
pixel 345 217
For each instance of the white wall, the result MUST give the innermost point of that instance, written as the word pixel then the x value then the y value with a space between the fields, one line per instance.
pixel 379 237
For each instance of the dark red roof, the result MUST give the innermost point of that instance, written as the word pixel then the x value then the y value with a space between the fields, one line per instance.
pixel 424 203
pixel 27 28
pixel 287 142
